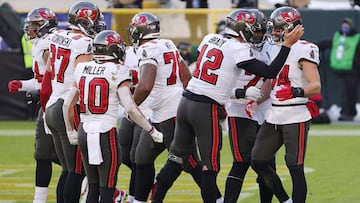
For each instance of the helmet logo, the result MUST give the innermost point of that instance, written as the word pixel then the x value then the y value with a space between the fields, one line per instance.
pixel 86 13
pixel 113 39
pixel 139 20
pixel 46 14
pixel 246 18
pixel 290 16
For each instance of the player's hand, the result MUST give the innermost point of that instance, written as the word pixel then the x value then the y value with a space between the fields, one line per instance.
pixel 250 108
pixel 156 135
pixel 14 86
pixel 253 93
pixel 72 137
pixel 289 93
pixel 292 37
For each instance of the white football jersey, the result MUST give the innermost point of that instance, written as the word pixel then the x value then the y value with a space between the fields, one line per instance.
pixel 247 79
pixel 291 74
pixel 64 48
pixel 98 85
pixel 215 75
pixel 38 63
pixel 166 93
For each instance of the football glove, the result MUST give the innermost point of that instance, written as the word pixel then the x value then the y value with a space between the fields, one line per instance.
pixel 33 96
pixel 156 135
pixel 253 93
pixel 72 137
pixel 250 108
pixel 289 93
pixel 14 86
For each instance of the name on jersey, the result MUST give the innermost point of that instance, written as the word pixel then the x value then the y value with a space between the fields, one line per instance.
pixel 217 41
pixel 94 70
pixel 64 41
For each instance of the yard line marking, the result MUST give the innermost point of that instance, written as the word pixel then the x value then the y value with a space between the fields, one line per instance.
pixel 334 132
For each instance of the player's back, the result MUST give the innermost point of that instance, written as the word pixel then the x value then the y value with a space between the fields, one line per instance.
pixel 98 84
pixel 166 93
pixel 65 47
pixel 216 71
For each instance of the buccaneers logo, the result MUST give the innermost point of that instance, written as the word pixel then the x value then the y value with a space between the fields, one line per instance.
pixel 87 14
pixel 290 16
pixel 139 20
pixel 246 18
pixel 46 14
pixel 113 39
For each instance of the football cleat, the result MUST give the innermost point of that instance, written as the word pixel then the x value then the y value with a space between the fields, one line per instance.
pixel 119 196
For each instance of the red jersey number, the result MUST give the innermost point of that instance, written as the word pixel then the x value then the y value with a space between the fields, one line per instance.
pixel 96 104
pixel 283 78
pixel 213 62
pixel 63 55
pixel 174 59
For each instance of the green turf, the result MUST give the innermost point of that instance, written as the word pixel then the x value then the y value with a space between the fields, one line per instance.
pixel 332 163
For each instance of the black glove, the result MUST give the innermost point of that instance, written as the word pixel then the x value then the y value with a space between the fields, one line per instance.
pixel 33 96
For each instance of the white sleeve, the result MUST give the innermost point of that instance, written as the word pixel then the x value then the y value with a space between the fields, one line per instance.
pixel 131 108
pixel 28 84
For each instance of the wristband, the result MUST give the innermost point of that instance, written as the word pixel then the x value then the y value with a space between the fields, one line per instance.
pixel 297 91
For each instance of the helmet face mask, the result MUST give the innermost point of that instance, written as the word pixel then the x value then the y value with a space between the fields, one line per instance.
pixel 143 25
pixel 86 16
pixel 109 45
pixel 39 22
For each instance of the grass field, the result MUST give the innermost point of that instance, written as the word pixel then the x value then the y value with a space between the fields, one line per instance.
pixel 332 163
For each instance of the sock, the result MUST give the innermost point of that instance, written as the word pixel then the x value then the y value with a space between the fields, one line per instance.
pixel 220 200
pixel 93 194
pixel 106 194
pixel 60 187
pixel 165 179
pixel 271 179
pixel 145 174
pixel 137 201
pixel 266 193
pixel 208 186
pixel 299 183
pixel 132 180
pixel 40 194
pixel 234 181
pixel 288 201
pixel 130 199
pixel 72 187
pixel 43 173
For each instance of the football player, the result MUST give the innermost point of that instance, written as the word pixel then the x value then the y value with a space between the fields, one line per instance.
pixel 67 48
pixel 287 121
pixel 38 26
pixel 201 109
pixel 100 86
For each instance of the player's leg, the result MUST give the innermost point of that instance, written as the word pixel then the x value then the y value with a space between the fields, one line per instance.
pixel 242 133
pixel 44 154
pixel 108 171
pixel 295 139
pixel 91 171
pixel 146 152
pixel 207 125
pixel 51 117
pixel 181 146
pixel 268 142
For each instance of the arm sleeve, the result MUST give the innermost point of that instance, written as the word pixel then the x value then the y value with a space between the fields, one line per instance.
pixel 131 108
pixel 28 84
pixel 267 71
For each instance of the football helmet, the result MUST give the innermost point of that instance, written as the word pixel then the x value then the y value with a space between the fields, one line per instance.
pixel 281 19
pixel 143 25
pixel 39 22
pixel 85 16
pixel 244 22
pixel 109 45
pixel 258 28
